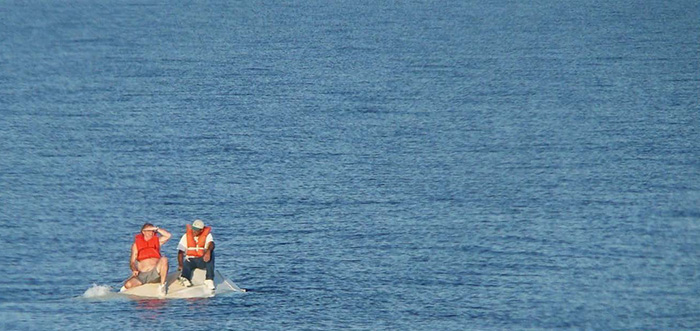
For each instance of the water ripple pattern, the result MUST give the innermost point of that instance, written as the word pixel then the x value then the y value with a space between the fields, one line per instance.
pixel 369 165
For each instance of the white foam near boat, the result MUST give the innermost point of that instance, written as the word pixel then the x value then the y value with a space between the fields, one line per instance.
pixel 176 290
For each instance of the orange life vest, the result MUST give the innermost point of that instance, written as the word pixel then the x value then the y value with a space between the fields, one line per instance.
pixel 147 248
pixel 197 248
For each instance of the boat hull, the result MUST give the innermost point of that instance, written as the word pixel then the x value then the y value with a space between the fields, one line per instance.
pixel 175 290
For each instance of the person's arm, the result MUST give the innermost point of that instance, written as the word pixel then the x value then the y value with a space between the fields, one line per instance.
pixel 132 260
pixel 181 249
pixel 207 251
pixel 164 236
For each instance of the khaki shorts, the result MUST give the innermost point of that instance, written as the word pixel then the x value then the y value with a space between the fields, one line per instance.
pixel 150 276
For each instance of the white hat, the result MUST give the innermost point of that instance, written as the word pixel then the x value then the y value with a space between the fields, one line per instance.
pixel 198 224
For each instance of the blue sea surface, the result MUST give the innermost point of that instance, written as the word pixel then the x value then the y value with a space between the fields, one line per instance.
pixel 368 165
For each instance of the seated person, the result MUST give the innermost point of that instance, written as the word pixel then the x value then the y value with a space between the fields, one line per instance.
pixel 147 264
pixel 196 251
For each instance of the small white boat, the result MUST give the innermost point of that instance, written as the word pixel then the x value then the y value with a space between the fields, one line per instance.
pixel 175 290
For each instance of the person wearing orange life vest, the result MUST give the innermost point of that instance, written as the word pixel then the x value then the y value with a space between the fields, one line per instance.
pixel 147 264
pixel 196 251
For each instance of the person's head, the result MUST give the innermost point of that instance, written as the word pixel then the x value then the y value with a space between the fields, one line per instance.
pixel 148 232
pixel 197 227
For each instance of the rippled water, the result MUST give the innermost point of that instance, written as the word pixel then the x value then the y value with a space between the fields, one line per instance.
pixel 364 164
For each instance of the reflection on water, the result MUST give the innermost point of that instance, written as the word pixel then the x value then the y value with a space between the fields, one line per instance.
pixel 197 306
pixel 150 309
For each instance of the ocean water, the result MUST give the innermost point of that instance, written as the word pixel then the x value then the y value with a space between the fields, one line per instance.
pixel 369 165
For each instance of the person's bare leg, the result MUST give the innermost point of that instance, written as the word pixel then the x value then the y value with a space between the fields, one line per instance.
pixel 163 269
pixel 132 282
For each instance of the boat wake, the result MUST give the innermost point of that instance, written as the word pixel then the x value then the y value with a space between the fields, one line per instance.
pixel 99 292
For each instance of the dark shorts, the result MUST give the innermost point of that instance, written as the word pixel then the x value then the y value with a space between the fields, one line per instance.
pixel 150 276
